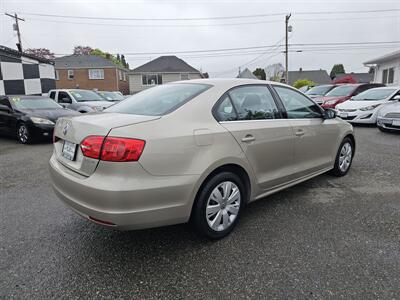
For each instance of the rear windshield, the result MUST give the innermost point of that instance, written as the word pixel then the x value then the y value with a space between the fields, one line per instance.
pixel 319 90
pixel 159 100
pixel 343 90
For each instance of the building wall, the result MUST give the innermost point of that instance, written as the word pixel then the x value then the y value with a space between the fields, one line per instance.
pixel 21 75
pixel 111 81
pixel 135 80
pixel 391 64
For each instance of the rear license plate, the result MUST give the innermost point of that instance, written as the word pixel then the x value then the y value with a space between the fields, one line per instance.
pixel 395 123
pixel 343 115
pixel 69 150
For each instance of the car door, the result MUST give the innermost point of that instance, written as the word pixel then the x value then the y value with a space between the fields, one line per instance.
pixel 64 99
pixel 252 116
pixel 316 139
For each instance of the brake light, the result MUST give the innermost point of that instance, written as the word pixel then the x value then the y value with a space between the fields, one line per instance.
pixel 122 149
pixel 112 148
pixel 91 146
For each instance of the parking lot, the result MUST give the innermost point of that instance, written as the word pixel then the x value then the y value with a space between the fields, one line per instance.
pixel 326 238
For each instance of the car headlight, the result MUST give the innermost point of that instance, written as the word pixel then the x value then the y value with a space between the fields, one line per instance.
pixel 330 102
pixel 37 120
pixel 371 107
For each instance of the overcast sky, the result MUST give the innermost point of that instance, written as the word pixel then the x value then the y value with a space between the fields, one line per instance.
pixel 61 35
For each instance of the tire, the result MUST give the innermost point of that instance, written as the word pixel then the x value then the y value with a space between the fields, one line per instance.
pixel 223 214
pixel 344 158
pixel 23 134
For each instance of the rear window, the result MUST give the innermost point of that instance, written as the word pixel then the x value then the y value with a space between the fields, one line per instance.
pixel 159 100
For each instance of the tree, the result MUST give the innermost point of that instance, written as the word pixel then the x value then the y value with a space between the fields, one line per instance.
pixel 260 73
pixel 345 79
pixel 82 50
pixel 337 69
pixel 118 57
pixel 123 61
pixel 40 52
pixel 303 82
pixel 274 72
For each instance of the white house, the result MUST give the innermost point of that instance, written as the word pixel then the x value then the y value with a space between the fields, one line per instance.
pixel 161 70
pixel 387 68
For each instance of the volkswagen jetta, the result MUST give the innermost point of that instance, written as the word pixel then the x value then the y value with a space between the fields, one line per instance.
pixel 195 151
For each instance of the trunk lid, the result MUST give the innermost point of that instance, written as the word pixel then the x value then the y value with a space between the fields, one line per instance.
pixel 75 129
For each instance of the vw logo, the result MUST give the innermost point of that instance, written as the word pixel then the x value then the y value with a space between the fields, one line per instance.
pixel 65 129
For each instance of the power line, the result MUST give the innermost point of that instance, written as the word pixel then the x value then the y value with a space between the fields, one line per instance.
pixel 213 18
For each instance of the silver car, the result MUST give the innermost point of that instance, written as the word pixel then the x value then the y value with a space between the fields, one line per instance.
pixel 194 151
pixel 389 116
pixel 83 101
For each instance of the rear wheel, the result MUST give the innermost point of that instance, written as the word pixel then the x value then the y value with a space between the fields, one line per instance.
pixel 218 206
pixel 344 158
pixel 23 134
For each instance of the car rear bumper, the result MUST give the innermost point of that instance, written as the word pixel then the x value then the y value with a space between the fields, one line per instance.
pixel 125 201
pixel 387 123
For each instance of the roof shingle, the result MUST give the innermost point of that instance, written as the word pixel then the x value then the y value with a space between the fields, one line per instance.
pixel 166 64
pixel 83 62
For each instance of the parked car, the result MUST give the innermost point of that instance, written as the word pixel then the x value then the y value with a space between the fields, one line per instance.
pixel 364 107
pixel 344 92
pixel 319 91
pixel 84 101
pixel 389 116
pixel 111 96
pixel 195 151
pixel 30 117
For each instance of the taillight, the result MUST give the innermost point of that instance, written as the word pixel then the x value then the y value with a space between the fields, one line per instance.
pixel 112 148
pixel 91 146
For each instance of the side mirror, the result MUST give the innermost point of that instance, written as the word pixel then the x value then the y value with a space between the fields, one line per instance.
pixel 396 97
pixel 4 108
pixel 66 100
pixel 329 113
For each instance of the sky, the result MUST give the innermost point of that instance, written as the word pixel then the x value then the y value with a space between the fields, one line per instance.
pixel 313 22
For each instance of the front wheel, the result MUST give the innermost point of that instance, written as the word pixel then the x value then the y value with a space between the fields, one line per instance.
pixel 218 206
pixel 344 158
pixel 23 134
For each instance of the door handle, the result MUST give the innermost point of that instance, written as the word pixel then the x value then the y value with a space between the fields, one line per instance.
pixel 248 138
pixel 299 132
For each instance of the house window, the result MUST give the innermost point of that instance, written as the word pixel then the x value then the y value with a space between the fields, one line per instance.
pixel 120 74
pixel 184 76
pixel 56 75
pixel 388 76
pixel 124 76
pixel 151 79
pixel 96 74
pixel 70 74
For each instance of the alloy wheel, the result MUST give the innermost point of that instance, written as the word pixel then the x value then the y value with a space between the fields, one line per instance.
pixel 346 154
pixel 223 206
pixel 23 133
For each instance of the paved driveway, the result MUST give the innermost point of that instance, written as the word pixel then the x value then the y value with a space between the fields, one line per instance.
pixel 326 238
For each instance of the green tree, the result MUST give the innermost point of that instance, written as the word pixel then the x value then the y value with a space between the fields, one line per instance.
pixel 303 82
pixel 260 73
pixel 106 55
pixel 337 69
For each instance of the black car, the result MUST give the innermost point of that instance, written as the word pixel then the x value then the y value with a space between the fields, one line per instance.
pixel 30 117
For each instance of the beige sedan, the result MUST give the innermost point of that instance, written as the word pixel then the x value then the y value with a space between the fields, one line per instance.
pixel 195 151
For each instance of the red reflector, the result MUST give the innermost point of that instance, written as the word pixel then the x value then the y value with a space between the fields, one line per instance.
pixel 101 221
pixel 91 146
pixel 122 149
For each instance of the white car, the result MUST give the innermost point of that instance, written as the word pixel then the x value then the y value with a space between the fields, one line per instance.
pixel 364 107
pixel 389 116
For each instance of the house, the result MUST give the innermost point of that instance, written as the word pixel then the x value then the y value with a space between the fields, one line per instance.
pixel 354 77
pixel 386 68
pixel 246 73
pixel 161 70
pixel 90 72
pixel 23 74
pixel 317 76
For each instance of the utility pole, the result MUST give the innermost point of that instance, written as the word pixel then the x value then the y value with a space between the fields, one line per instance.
pixel 287 29
pixel 16 28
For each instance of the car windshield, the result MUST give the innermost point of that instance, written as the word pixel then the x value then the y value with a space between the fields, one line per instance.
pixel 33 103
pixel 159 100
pixel 82 95
pixel 373 94
pixel 343 90
pixel 319 90
pixel 111 96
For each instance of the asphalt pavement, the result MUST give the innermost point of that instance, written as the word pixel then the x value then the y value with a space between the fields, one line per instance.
pixel 325 238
